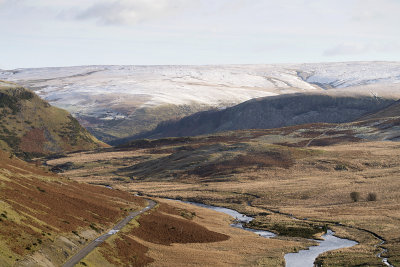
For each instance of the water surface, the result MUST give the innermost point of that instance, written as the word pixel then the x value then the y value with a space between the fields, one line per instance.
pixel 240 219
pixel 306 257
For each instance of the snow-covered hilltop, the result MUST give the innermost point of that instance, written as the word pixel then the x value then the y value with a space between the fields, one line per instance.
pixel 116 101
pixel 178 85
pixel 347 74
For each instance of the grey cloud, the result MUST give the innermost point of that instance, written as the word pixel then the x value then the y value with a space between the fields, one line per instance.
pixel 357 48
pixel 346 49
pixel 6 3
pixel 376 10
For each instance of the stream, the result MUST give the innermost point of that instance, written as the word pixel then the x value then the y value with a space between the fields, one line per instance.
pixel 307 257
pixel 240 219
pixel 303 258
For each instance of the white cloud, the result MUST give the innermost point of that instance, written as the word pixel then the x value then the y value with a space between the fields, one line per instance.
pixel 128 12
pixel 60 32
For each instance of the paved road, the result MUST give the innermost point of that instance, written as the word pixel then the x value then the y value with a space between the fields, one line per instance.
pixel 95 243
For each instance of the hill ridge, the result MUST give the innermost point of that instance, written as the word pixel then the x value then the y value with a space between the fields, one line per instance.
pixel 272 112
pixel 30 126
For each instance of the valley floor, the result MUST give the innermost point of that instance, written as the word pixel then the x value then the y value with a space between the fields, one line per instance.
pixel 314 187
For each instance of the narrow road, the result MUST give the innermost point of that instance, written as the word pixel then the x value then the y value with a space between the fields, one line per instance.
pixel 95 243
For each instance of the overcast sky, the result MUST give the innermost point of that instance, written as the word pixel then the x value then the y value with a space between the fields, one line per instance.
pixel 38 33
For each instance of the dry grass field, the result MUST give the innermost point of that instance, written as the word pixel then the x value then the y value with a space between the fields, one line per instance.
pixel 263 174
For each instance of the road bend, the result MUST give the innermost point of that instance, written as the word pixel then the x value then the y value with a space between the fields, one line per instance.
pixel 98 241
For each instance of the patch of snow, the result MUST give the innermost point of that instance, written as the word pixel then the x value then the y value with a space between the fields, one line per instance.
pixel 346 74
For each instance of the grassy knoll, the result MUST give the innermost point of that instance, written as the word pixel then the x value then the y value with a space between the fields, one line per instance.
pixel 30 127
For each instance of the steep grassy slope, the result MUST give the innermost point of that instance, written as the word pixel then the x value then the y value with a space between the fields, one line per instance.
pixel 273 112
pixel 44 218
pixel 29 126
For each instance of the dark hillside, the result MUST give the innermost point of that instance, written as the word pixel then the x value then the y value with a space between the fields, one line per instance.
pixel 391 111
pixel 271 112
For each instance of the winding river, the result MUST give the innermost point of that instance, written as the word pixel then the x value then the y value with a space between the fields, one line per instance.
pixel 308 256
pixel 303 258
pixel 240 219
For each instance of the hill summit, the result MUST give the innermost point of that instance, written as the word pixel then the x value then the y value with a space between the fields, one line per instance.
pixel 30 126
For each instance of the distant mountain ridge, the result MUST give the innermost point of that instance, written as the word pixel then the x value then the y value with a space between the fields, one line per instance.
pixel 29 126
pixel 121 101
pixel 273 112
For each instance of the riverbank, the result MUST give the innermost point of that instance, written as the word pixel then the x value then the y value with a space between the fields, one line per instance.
pixel 302 258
